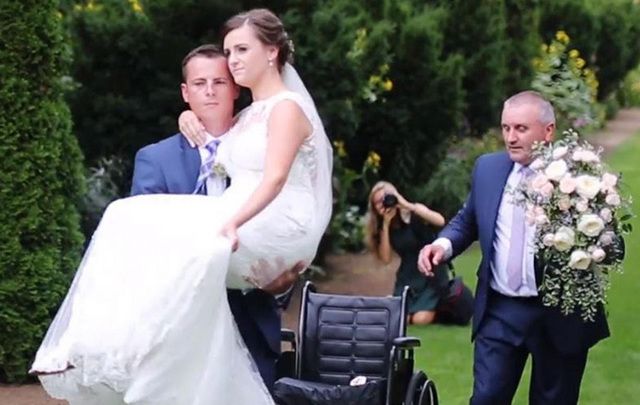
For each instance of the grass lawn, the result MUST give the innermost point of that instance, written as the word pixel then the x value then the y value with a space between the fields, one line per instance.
pixel 613 368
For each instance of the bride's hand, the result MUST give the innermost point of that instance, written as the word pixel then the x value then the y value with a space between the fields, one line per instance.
pixel 192 128
pixel 230 231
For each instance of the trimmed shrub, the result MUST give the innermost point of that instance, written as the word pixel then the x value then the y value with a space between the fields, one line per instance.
pixel 477 31
pixel 523 43
pixel 40 179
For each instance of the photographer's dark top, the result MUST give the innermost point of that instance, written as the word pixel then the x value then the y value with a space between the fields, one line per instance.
pixel 407 240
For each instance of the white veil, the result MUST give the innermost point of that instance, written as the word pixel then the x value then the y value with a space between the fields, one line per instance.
pixel 322 181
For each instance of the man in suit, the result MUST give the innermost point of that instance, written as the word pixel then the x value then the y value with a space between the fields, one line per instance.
pixel 172 166
pixel 510 322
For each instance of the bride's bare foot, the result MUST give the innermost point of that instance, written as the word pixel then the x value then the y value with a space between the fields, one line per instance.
pixel 37 373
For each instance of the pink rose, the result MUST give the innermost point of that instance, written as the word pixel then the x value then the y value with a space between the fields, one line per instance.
pixel 582 205
pixel 613 199
pixel 564 203
pixel 606 214
pixel 598 255
pixel 606 238
pixel 568 184
pixel 609 182
pixel 547 190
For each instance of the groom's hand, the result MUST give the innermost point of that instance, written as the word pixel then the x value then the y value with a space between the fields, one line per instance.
pixel 430 256
pixel 286 280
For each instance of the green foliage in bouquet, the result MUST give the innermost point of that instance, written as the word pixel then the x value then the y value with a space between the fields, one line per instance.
pixel 563 78
pixel 41 179
pixel 580 216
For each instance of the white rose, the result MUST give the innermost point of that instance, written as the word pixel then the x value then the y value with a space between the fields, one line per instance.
pixel 587 186
pixel 590 224
pixel 606 215
pixel 577 155
pixel 548 239
pixel 598 255
pixel 582 205
pixel 560 152
pixel 613 199
pixel 564 203
pixel 606 238
pixel 564 238
pixel 579 260
pixel 556 170
pixel 590 157
pixel 609 182
pixel 568 184
pixel 536 164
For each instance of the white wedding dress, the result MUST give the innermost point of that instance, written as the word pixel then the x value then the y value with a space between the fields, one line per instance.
pixel 146 320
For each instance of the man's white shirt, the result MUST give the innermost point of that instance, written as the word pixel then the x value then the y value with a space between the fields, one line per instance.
pixel 501 243
pixel 215 184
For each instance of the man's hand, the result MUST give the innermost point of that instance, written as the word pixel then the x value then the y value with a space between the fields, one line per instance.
pixel 430 256
pixel 286 280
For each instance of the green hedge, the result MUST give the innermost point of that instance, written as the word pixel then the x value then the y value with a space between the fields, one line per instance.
pixel 40 179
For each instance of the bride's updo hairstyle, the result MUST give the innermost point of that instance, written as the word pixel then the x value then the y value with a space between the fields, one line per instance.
pixel 268 28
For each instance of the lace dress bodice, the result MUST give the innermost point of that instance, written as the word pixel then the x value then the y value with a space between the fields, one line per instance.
pixel 244 156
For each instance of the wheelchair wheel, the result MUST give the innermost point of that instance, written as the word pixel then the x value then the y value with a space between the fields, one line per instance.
pixel 421 390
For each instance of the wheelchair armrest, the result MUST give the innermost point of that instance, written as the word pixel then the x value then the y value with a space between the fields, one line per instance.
pixel 406 342
pixel 287 335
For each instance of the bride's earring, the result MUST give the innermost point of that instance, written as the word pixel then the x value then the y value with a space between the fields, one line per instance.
pixel 271 62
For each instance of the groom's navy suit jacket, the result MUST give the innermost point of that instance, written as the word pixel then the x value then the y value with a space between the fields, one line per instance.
pixel 171 166
pixel 477 221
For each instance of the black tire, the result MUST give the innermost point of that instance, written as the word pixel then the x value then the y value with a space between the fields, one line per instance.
pixel 428 394
pixel 414 389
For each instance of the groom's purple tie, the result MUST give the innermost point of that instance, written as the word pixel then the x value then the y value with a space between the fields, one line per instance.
pixel 206 167
pixel 517 240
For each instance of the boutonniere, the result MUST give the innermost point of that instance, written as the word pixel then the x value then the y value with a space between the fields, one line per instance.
pixel 219 170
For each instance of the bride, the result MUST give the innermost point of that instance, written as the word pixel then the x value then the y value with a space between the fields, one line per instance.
pixel 146 320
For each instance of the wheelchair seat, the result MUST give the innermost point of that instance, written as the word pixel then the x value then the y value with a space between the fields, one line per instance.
pixel 342 337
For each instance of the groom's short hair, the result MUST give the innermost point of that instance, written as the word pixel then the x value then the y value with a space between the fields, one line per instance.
pixel 206 50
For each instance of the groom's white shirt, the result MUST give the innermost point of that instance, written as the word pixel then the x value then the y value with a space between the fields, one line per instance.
pixel 501 244
pixel 215 184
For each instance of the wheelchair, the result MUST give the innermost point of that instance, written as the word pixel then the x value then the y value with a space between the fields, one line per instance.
pixel 342 337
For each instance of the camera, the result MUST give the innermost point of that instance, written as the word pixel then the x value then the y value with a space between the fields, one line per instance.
pixel 389 200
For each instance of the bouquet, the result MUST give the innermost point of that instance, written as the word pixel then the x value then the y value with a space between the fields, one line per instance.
pixel 580 216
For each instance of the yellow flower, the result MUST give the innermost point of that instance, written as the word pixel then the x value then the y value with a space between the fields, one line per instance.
pixel 580 63
pixel 340 150
pixel 374 80
pixel 373 160
pixel 574 53
pixel 544 48
pixel 387 85
pixel 136 6
pixel 562 37
pixel 553 48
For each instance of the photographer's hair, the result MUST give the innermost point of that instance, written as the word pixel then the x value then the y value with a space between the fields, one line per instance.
pixel 207 50
pixel 374 221
pixel 268 28
pixel 547 115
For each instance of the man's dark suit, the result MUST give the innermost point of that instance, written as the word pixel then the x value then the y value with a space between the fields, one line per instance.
pixel 171 166
pixel 558 343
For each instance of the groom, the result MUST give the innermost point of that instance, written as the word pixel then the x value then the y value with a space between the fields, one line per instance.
pixel 509 321
pixel 171 166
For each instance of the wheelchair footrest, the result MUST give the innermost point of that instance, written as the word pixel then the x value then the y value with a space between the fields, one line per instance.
pixel 289 391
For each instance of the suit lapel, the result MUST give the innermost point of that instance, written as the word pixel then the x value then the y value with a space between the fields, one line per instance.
pixel 191 163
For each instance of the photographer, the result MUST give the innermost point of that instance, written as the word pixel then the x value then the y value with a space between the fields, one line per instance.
pixel 404 227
